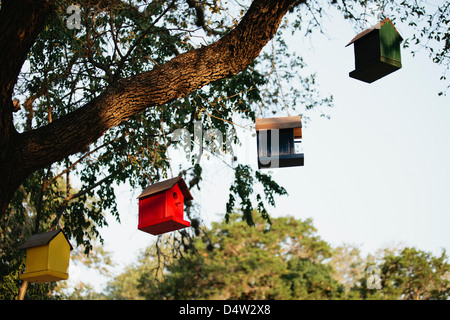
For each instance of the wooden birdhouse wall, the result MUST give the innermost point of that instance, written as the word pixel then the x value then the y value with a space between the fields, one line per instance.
pixel 161 206
pixel 59 254
pixel 48 262
pixel 367 50
pixel 175 202
pixel 377 52
pixel 151 208
pixel 390 48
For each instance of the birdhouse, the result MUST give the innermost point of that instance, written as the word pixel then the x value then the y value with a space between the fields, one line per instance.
pixel 48 256
pixel 377 52
pixel 161 206
pixel 279 142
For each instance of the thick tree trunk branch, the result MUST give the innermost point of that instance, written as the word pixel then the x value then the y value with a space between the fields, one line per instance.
pixel 20 23
pixel 183 74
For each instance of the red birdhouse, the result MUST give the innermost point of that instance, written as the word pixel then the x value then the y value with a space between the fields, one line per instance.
pixel 161 206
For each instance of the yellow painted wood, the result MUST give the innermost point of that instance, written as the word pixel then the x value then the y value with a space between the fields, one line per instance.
pixel 44 276
pixel 48 262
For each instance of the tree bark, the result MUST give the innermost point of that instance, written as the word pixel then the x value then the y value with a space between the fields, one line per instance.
pixel 20 23
pixel 31 150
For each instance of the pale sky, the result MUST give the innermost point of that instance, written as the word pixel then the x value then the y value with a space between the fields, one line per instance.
pixel 376 174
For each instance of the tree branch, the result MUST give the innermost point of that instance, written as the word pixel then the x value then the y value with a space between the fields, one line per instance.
pixel 20 23
pixel 70 197
pixel 139 40
pixel 175 79
pixel 72 133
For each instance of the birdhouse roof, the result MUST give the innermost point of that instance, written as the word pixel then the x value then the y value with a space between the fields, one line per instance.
pixel 373 28
pixel 278 123
pixel 42 239
pixel 166 185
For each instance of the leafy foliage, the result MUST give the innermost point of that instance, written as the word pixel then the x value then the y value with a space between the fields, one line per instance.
pixel 412 275
pixel 243 188
pixel 282 260
pixel 67 68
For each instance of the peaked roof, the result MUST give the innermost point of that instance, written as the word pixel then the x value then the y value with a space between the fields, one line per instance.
pixel 42 239
pixel 166 185
pixel 373 28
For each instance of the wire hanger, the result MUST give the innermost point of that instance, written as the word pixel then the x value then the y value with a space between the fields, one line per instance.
pixel 272 70
pixel 380 7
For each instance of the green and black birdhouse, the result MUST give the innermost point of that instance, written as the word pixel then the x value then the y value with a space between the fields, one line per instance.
pixel 377 52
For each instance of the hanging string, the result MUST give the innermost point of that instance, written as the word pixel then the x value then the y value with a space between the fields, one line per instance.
pixel 167 147
pixel 282 94
pixel 273 69
pixel 262 100
pixel 364 17
pixel 265 89
pixel 381 9
pixel 278 80
pixel 380 6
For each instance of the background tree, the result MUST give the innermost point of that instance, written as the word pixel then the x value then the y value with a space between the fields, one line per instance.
pixel 411 274
pixel 348 265
pixel 282 260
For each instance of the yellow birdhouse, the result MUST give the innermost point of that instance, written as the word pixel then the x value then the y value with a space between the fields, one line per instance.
pixel 48 256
